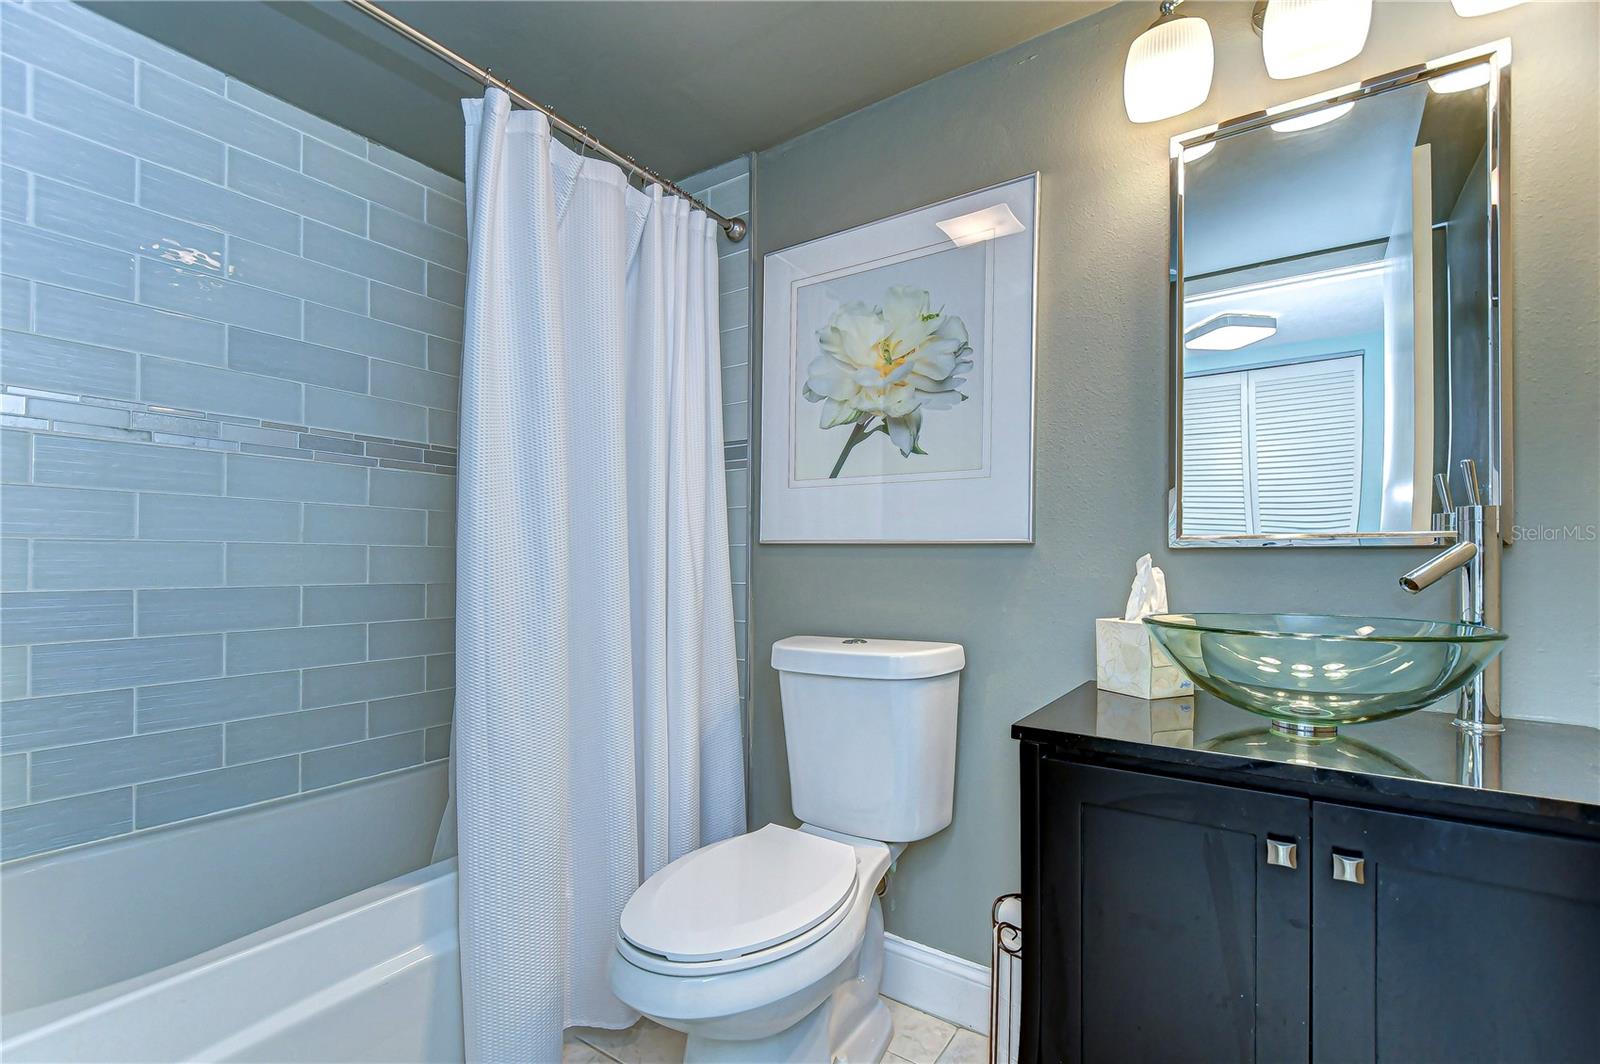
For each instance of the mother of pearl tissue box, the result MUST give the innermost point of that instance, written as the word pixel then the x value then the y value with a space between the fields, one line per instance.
pixel 1128 662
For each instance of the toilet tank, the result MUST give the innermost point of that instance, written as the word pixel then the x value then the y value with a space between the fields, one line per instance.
pixel 870 725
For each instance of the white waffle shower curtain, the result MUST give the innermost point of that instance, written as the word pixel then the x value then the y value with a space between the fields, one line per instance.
pixel 597 729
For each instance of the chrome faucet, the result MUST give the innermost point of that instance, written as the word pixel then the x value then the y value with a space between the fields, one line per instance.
pixel 1476 554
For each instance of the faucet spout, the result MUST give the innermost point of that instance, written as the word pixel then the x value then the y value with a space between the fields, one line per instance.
pixel 1440 565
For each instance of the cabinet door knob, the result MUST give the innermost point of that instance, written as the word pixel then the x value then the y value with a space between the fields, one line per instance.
pixel 1283 854
pixel 1349 868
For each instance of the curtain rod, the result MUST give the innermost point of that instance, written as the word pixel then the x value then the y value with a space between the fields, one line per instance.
pixel 734 227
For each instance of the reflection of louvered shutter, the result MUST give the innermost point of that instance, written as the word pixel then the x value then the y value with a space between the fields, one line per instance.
pixel 1273 450
pixel 1216 494
pixel 1305 426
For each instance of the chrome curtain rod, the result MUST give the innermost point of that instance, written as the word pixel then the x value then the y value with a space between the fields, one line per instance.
pixel 734 227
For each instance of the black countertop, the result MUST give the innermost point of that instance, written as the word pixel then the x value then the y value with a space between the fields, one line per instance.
pixel 1535 775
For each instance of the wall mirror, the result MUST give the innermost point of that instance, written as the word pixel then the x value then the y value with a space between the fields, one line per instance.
pixel 1338 333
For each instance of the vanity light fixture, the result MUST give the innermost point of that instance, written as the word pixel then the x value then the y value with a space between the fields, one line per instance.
pixel 1313 119
pixel 1198 152
pixel 1471 77
pixel 1230 331
pixel 1473 8
pixel 1169 67
pixel 987 224
pixel 1300 37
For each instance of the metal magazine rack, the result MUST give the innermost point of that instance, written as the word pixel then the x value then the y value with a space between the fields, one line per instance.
pixel 1005 977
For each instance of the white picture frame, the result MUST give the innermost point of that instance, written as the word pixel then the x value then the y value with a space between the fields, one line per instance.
pixel 897 377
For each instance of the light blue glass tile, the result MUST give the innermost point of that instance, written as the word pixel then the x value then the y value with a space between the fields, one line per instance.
pixel 414 385
pixel 44 826
pixel 15 449
pixel 35 511
pixel 212 520
pixel 346 171
pixel 16 303
pixel 391 716
pixel 415 312
pixel 354 761
pixel 735 346
pixel 166 707
pixel 446 285
pixel 352 332
pixel 115 323
pixel 733 310
pixel 257 477
pixel 443 429
pixel 98 564
pixel 441 671
pixel 371 416
pixel 57 668
pixel 218 390
pixel 736 383
pixel 279 356
pixel 102 220
pixel 404 565
pixel 126 128
pixel 13 672
pixel 132 466
pixel 55 153
pixel 444 356
pixel 295 648
pixel 733 271
pixel 33 40
pixel 216 116
pixel 407 488
pixel 97 27
pixel 338 684
pixel 404 639
pixel 183 196
pixel 189 292
pixel 735 422
pixel 293 191
pixel 41 256
pixel 62 720
pixel 13 194
pixel 359 255
pixel 13 780
pixel 363 524
pixel 442 600
pixel 436 743
pixel 67 770
pixel 13 564
pixel 255 564
pixel 62 366
pixel 69 416
pixel 363 602
pixel 292 275
pixel 419 238
pixel 220 609
pixel 441 528
pixel 290 115
pixel 13 85
pixel 447 213
pixel 292 733
pixel 65 616
pixel 168 801
pixel 418 172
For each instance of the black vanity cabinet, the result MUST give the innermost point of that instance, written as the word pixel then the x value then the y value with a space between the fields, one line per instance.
pixel 1180 906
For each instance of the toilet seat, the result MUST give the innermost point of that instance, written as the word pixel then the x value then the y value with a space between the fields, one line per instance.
pixel 739 903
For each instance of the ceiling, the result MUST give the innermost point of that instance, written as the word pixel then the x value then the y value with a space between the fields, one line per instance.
pixel 679 86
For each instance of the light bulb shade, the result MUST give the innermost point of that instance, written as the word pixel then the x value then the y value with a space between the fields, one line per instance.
pixel 1169 69
pixel 1230 331
pixel 1471 8
pixel 1300 37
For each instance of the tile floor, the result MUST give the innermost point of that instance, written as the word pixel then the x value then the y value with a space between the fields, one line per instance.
pixel 918 1039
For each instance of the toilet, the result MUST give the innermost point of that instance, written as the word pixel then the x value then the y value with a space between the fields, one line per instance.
pixel 769 946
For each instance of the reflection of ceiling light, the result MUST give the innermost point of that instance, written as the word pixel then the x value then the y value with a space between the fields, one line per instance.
pixel 1229 332
pixel 1300 37
pixel 1169 67
pixel 987 224
pixel 1314 118
pixel 1471 77
pixel 1470 8
pixel 1198 152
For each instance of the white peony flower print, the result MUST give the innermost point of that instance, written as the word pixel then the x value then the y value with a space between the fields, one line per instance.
pixel 881 367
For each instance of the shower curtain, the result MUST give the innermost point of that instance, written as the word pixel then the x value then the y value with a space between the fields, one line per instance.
pixel 597 729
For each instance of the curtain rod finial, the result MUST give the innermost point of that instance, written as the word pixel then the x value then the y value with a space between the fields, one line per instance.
pixel 735 229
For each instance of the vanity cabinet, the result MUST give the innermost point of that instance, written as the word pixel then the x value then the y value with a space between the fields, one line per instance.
pixel 1170 915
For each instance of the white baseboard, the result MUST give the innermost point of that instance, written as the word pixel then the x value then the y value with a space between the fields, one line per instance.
pixel 951 988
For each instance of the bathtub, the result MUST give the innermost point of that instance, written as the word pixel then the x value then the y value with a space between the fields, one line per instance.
pixel 371 976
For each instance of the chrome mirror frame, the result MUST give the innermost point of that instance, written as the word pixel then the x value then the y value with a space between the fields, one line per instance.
pixel 1498 464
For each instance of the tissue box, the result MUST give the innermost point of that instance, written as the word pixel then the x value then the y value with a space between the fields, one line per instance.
pixel 1129 662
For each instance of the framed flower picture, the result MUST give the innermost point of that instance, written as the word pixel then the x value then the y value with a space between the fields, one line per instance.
pixel 897 377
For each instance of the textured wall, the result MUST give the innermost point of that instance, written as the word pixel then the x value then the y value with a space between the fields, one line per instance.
pixel 230 375
pixel 1054 105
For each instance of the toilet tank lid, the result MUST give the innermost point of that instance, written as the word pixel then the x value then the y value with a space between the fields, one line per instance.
pixel 872 659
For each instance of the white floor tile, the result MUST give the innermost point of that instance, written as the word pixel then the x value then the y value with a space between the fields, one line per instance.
pixel 918 1037
pixel 646 1042
pixel 967 1047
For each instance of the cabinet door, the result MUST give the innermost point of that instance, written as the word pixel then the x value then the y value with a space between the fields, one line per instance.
pixel 1463 943
pixel 1165 934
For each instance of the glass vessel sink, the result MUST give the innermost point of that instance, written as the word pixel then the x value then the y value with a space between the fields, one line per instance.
pixel 1309 674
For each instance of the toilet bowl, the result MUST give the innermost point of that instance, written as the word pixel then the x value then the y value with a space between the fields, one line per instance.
pixel 769 946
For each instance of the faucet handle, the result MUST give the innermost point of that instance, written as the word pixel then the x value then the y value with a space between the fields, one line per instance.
pixel 1469 474
pixel 1441 484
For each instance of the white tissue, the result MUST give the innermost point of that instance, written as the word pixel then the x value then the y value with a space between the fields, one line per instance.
pixel 1149 592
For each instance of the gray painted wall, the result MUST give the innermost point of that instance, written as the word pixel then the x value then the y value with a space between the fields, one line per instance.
pixel 230 374
pixel 1024 613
